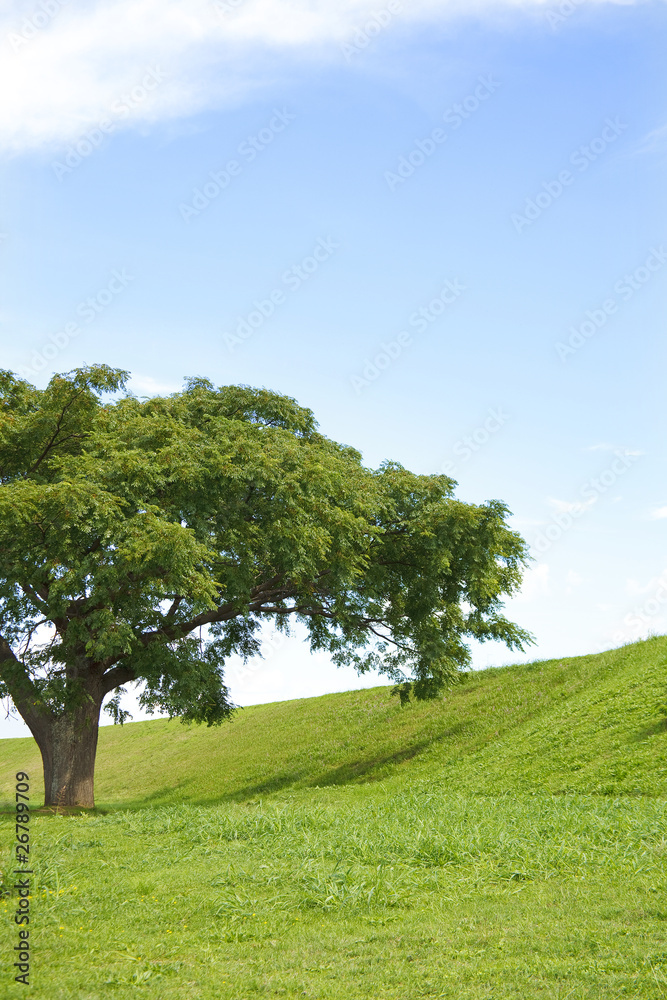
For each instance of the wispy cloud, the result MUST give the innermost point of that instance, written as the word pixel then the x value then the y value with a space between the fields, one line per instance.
pixel 535 584
pixel 613 447
pixel 636 589
pixel 64 64
pixel 653 141
pixel 570 506
pixel 659 513
pixel 144 385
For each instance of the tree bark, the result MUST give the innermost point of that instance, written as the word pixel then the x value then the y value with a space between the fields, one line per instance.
pixel 68 744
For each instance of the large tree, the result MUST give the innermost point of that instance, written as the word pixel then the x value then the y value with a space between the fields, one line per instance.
pixel 148 540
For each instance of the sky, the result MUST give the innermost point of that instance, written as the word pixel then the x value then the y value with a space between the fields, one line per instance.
pixel 442 226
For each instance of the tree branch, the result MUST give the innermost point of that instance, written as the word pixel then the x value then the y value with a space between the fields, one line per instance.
pixel 116 678
pixel 178 630
pixel 39 599
pixel 23 692
pixel 174 607
pixel 53 440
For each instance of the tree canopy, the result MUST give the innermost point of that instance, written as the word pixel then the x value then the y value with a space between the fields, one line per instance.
pixel 149 539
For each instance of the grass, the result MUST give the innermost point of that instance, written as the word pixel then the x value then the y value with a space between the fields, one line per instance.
pixel 587 724
pixel 508 842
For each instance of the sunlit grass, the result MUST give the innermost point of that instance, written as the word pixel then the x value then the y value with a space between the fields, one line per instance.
pixel 344 893
pixel 584 724
pixel 507 842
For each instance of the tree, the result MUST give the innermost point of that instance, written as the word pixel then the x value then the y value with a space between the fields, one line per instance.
pixel 149 540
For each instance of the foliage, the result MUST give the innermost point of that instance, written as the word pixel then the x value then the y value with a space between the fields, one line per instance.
pixel 148 540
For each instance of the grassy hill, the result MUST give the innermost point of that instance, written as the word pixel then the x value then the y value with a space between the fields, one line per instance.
pixel 505 843
pixel 586 724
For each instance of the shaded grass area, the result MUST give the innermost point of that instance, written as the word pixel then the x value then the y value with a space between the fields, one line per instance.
pixel 354 892
pixel 591 724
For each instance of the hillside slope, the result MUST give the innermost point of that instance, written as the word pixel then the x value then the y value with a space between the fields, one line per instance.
pixel 591 724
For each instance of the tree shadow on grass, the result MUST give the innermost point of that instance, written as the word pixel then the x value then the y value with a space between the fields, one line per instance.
pixel 169 795
pixel 653 730
pixel 375 768
pixel 359 772
pixel 367 770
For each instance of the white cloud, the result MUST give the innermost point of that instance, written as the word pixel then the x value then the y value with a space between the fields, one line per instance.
pixel 535 584
pixel 635 589
pixel 62 72
pixel 654 140
pixel 659 513
pixel 145 385
pixel 613 447
pixel 570 506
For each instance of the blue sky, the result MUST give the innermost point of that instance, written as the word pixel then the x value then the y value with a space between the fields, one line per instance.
pixel 441 227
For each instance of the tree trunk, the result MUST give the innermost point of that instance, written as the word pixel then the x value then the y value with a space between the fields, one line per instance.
pixel 68 744
pixel 67 741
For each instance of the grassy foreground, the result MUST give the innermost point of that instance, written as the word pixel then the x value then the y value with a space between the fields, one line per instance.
pixel 345 847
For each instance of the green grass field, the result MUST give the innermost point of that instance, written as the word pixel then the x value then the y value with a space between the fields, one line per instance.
pixel 508 841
